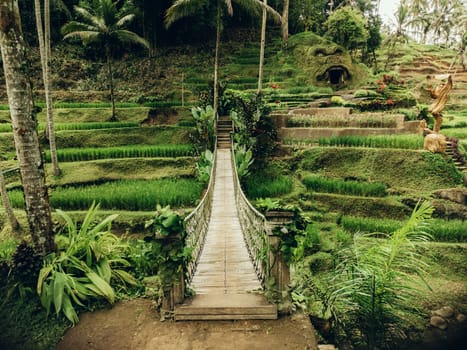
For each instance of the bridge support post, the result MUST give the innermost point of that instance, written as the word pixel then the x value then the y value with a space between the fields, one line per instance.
pixel 173 295
pixel 279 270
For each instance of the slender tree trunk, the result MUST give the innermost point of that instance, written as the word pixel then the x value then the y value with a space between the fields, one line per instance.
pixel 25 127
pixel 6 204
pixel 216 60
pixel 43 34
pixel 111 84
pixel 285 24
pixel 261 51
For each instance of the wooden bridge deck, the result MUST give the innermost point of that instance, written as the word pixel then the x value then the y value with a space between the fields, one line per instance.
pixel 225 277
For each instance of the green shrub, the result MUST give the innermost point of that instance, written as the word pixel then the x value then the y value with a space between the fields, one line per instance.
pixel 90 261
pixel 366 189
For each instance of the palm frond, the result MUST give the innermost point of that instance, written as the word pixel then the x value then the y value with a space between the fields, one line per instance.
pixel 124 20
pixel 85 36
pixel 130 37
pixel 181 9
pixel 255 6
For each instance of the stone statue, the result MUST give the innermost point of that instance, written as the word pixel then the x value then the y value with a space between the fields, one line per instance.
pixel 441 95
pixel 435 143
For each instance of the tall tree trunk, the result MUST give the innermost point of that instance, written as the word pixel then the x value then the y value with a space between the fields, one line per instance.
pixel 285 24
pixel 6 204
pixel 261 51
pixel 216 60
pixel 111 84
pixel 25 127
pixel 43 34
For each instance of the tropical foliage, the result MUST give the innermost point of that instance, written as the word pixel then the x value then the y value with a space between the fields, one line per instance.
pixel 103 22
pixel 90 264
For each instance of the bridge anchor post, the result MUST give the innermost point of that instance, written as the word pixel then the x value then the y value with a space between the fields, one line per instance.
pixel 279 269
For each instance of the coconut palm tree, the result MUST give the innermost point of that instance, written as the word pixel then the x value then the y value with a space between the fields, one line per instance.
pixel 25 127
pixel 184 8
pixel 104 22
pixel 6 203
pixel 43 34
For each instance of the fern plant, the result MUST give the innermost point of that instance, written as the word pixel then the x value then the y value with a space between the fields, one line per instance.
pixel 89 263
pixel 377 276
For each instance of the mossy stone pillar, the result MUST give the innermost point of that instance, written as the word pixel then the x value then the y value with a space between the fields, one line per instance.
pixel 279 270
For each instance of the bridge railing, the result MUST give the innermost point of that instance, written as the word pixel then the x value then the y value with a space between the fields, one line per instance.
pixel 255 229
pixel 196 224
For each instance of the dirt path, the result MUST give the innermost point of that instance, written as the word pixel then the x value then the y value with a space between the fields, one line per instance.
pixel 133 325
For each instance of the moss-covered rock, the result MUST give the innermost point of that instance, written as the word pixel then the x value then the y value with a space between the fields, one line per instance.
pixel 325 62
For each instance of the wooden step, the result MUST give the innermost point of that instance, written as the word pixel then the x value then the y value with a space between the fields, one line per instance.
pixel 247 306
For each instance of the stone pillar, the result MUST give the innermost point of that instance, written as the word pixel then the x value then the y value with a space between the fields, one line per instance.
pixel 279 270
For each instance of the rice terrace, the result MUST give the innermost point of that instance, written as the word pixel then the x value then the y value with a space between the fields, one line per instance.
pixel 195 174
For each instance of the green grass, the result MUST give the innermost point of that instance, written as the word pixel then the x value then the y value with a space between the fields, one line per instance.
pixel 405 171
pixel 136 151
pixel 120 169
pixel 90 126
pixel 5 127
pixel 157 135
pixel 441 230
pixel 380 141
pixel 139 195
pixel 354 121
pixel 330 185
pixel 261 187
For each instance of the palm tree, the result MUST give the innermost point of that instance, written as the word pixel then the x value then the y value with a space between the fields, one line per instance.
pixel 43 34
pixel 6 203
pixel 285 23
pixel 104 23
pixel 184 8
pixel 25 128
pixel 400 35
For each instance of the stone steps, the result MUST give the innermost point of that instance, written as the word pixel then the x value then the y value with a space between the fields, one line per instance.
pixel 224 130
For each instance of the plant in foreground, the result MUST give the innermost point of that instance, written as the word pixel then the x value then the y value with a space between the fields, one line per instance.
pixel 372 290
pixel 89 263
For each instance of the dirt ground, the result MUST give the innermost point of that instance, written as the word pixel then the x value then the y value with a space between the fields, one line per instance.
pixel 134 325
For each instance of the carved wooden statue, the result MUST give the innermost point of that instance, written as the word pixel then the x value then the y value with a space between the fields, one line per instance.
pixel 441 96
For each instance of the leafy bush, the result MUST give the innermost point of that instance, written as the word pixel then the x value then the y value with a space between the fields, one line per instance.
pixel 132 151
pixel 90 262
pixel 204 122
pixel 204 166
pixel 365 93
pixel 166 222
pixel 369 295
pixel 243 160
pixel 366 189
pixel 337 101
pixel 167 254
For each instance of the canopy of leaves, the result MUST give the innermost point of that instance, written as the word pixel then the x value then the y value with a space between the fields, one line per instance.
pixel 347 27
